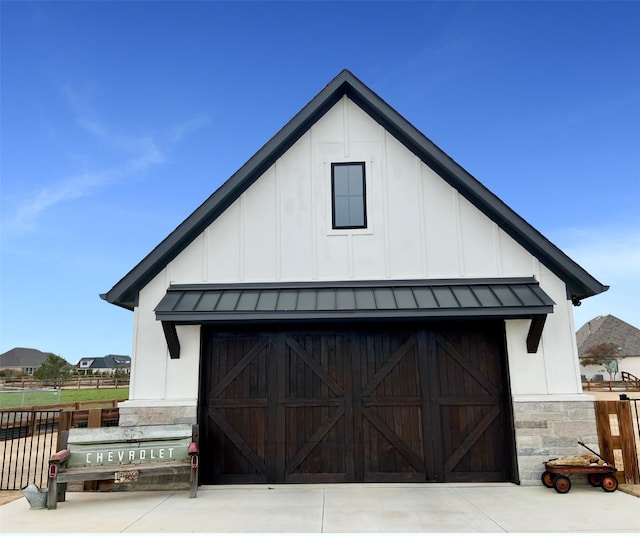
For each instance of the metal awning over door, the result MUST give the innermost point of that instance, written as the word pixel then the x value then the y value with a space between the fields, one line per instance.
pixel 407 300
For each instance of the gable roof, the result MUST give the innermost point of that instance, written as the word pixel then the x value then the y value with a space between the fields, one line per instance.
pixel 579 283
pixel 609 329
pixel 23 357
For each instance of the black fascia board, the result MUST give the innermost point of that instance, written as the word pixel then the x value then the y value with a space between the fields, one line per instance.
pixel 124 293
pixel 579 283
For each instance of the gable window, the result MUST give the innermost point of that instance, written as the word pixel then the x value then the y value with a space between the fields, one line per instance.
pixel 348 189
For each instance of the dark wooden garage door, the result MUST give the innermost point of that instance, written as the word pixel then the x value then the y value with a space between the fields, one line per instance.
pixel 356 406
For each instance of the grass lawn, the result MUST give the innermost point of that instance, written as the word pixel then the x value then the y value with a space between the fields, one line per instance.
pixel 84 395
pixel 16 399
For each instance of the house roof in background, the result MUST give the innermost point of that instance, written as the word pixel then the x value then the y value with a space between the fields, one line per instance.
pixel 110 361
pixel 609 329
pixel 580 284
pixel 23 357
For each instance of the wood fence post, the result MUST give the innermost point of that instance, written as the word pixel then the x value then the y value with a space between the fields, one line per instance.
pixel 603 425
pixel 95 418
pixel 64 424
pixel 627 442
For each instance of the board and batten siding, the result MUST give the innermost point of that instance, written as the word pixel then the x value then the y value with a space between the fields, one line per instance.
pixel 419 227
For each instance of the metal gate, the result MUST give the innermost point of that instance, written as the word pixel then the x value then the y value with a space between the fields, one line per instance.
pixel 27 440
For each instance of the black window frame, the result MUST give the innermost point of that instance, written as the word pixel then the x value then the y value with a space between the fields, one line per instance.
pixel 362 165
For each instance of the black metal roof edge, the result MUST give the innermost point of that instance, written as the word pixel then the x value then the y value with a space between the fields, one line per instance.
pixel 124 292
pixel 507 313
pixel 377 283
pixel 580 284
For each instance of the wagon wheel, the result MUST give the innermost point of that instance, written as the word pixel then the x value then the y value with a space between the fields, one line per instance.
pixel 609 483
pixel 595 480
pixel 547 479
pixel 562 484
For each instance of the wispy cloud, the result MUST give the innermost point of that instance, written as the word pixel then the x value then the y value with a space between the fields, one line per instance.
pixel 180 131
pixel 83 114
pixel 85 184
pixel 131 157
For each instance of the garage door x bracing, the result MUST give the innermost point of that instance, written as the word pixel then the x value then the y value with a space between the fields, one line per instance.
pixel 420 405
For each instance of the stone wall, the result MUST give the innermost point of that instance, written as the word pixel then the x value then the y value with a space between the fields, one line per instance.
pixel 148 415
pixel 547 429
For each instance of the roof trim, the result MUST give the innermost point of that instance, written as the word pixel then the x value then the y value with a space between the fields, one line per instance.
pixel 580 284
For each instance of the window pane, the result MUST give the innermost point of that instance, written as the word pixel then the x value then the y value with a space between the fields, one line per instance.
pixel 341 180
pixel 356 212
pixel 341 211
pixel 355 180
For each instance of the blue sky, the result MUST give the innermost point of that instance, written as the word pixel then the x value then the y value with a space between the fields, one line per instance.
pixel 119 118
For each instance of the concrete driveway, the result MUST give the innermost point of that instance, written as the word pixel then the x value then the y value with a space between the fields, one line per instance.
pixel 338 508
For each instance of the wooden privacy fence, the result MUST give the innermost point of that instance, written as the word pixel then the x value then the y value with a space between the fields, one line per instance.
pixel 28 438
pixel 70 406
pixel 619 437
pixel 77 382
pixel 611 386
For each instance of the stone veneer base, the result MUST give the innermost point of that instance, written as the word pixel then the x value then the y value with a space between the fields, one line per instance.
pixel 139 415
pixel 544 429
pixel 551 429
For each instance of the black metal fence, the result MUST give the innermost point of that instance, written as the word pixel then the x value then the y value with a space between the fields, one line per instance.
pixel 635 413
pixel 27 440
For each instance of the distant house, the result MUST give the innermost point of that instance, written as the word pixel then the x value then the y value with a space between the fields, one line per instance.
pixel 22 360
pixel 609 329
pixel 108 364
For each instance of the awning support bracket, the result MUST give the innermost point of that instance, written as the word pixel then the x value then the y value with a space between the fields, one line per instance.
pixel 171 334
pixel 535 333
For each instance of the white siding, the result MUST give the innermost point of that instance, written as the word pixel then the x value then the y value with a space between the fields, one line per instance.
pixel 441 224
pixel 418 227
pixel 222 261
pixel 402 217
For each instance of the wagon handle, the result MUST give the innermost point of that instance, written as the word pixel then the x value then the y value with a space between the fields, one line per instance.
pixel 598 455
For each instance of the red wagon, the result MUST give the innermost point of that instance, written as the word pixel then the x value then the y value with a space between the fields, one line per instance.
pixel 599 476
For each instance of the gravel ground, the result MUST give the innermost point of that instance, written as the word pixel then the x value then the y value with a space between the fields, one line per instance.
pixel 8 496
